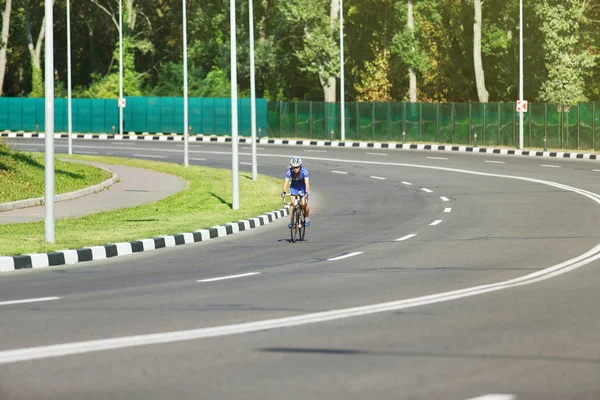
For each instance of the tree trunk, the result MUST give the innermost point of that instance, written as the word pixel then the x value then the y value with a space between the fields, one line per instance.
pixel 482 93
pixel 4 44
pixel 37 84
pixel 411 73
pixel 329 84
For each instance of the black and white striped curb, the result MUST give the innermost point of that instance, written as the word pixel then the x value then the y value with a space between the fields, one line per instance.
pixel 120 249
pixel 321 143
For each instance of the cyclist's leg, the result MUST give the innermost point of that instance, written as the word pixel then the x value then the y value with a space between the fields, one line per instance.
pixel 293 193
pixel 306 211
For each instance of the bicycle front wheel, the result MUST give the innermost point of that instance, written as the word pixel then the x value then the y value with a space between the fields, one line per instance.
pixel 294 229
pixel 301 227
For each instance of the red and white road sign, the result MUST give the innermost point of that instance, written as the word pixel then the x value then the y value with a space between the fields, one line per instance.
pixel 122 102
pixel 521 105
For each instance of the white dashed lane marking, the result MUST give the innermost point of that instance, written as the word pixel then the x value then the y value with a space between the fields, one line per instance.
pixel 406 237
pixel 436 222
pixel 221 278
pixel 23 301
pixel 444 198
pixel 447 210
pixel 377 177
pixel 345 256
pixel 339 172
pixel 407 183
pixel 427 190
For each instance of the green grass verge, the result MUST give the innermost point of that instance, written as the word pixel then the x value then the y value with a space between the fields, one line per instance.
pixel 22 175
pixel 205 203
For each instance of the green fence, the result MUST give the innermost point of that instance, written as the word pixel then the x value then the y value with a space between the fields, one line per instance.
pixel 491 124
pixel 142 114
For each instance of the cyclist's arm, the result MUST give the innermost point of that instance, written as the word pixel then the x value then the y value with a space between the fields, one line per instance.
pixel 285 184
pixel 307 182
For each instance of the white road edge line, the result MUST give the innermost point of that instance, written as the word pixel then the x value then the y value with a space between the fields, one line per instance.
pixel 10 302
pixel 339 172
pixel 198 159
pixel 444 198
pixel 315 151
pixel 427 190
pixel 494 162
pixel 345 256
pixel 222 278
pixel 436 222
pixel 549 166
pixel 245 163
pixel 446 210
pixel 376 154
pixel 406 237
pixel 377 177
pixel 437 158
pixel 147 155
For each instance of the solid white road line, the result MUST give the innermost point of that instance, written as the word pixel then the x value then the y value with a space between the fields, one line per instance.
pixel 87 152
pixel 377 177
pixel 339 172
pixel 7 303
pixel 345 256
pixel 407 183
pixel 549 166
pixel 376 154
pixel 495 397
pixel 436 222
pixel 147 155
pixel 222 278
pixel 427 190
pixel 444 198
pixel 315 151
pixel 437 158
pixel 596 170
pixel 447 210
pixel 406 237
pixel 198 159
pixel 494 162
pixel 245 163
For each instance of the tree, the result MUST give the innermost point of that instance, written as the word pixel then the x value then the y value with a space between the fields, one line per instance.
pixel 318 22
pixel 4 41
pixel 482 92
pixel 569 60
pixel 374 83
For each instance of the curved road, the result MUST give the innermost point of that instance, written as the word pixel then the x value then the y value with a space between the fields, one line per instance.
pixel 425 275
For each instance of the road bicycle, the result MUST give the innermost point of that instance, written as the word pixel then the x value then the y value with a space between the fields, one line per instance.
pixel 298 228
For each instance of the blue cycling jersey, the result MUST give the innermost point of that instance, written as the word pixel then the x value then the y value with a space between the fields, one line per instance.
pixel 298 183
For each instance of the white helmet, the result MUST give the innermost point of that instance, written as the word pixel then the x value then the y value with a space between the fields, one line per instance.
pixel 296 162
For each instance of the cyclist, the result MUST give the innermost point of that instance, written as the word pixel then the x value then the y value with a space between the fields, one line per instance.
pixel 298 175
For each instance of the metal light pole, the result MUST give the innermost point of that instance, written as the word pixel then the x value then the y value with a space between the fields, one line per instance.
pixel 521 72
pixel 342 92
pixel 185 90
pixel 69 105
pixel 235 201
pixel 120 65
pixel 252 92
pixel 49 127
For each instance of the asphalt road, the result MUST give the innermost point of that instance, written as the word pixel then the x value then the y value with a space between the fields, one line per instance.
pixel 425 275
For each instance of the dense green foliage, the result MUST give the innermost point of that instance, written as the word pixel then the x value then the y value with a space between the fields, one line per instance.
pixel 22 175
pixel 297 44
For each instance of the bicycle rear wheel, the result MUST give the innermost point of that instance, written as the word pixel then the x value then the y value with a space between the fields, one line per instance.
pixel 301 227
pixel 294 229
